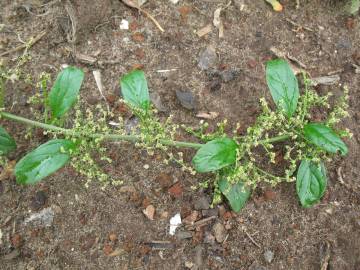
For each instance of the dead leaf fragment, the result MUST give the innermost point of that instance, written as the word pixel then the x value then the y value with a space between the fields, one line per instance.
pixel 138 37
pixel 176 190
pixel 149 212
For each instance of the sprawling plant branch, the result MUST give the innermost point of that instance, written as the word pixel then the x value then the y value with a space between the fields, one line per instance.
pixel 116 137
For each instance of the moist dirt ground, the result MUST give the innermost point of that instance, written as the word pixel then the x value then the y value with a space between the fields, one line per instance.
pixel 107 229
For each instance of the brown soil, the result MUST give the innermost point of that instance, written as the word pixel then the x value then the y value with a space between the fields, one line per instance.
pixel 90 224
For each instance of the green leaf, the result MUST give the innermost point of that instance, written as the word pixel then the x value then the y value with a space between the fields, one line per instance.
pixel 215 155
pixel 134 89
pixel 283 85
pixel 311 182
pixel 43 161
pixel 7 143
pixel 353 6
pixel 325 138
pixel 237 194
pixel 64 92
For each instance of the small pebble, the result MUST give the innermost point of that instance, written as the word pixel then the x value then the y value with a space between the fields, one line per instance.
pixel 39 200
pixel 203 203
pixel 209 238
pixel 268 256
pixel 210 212
pixel 187 99
pixel 219 232
pixel 208 58
pixel 189 265
pixel 228 75
pixel 181 235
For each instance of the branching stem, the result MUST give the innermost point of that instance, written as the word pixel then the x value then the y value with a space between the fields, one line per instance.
pixel 117 137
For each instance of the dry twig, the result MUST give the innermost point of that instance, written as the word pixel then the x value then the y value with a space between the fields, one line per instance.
pixel 134 4
pixel 27 45
pixel 251 239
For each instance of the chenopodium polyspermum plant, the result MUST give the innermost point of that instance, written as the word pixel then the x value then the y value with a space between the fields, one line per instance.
pixel 233 159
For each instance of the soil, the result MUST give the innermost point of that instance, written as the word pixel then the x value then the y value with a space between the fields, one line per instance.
pixel 107 229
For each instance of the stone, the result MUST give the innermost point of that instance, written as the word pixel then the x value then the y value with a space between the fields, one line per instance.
pixel 219 232
pixel 209 238
pixel 156 100
pixel 203 203
pixel 39 200
pixel 228 75
pixel 208 58
pixel 43 218
pixel 181 235
pixel 210 212
pixel 268 256
pixel 187 99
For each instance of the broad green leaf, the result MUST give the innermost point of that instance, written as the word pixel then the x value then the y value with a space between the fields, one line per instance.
pixel 237 194
pixel 134 89
pixel 215 155
pixel 325 138
pixel 64 92
pixel 311 182
pixel 7 143
pixel 43 161
pixel 283 85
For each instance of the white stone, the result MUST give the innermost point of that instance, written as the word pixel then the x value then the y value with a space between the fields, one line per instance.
pixel 175 222
pixel 124 24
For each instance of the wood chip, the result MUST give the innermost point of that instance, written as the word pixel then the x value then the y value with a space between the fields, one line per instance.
pixel 149 212
pixel 84 58
pixel 204 31
pixel 209 115
pixel 200 223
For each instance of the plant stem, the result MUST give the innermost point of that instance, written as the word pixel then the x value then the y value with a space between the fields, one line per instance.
pixel 2 91
pixel 268 174
pixel 117 137
pixel 109 137
pixel 275 139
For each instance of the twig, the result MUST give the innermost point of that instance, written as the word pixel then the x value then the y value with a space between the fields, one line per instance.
pixel 153 19
pixel 251 239
pixel 325 250
pixel 200 223
pixel 341 180
pixel 299 25
pixel 97 77
pixel 31 42
pixel 134 4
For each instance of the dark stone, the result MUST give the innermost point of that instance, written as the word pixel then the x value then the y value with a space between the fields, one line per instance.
pixel 186 99
pixel 39 200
